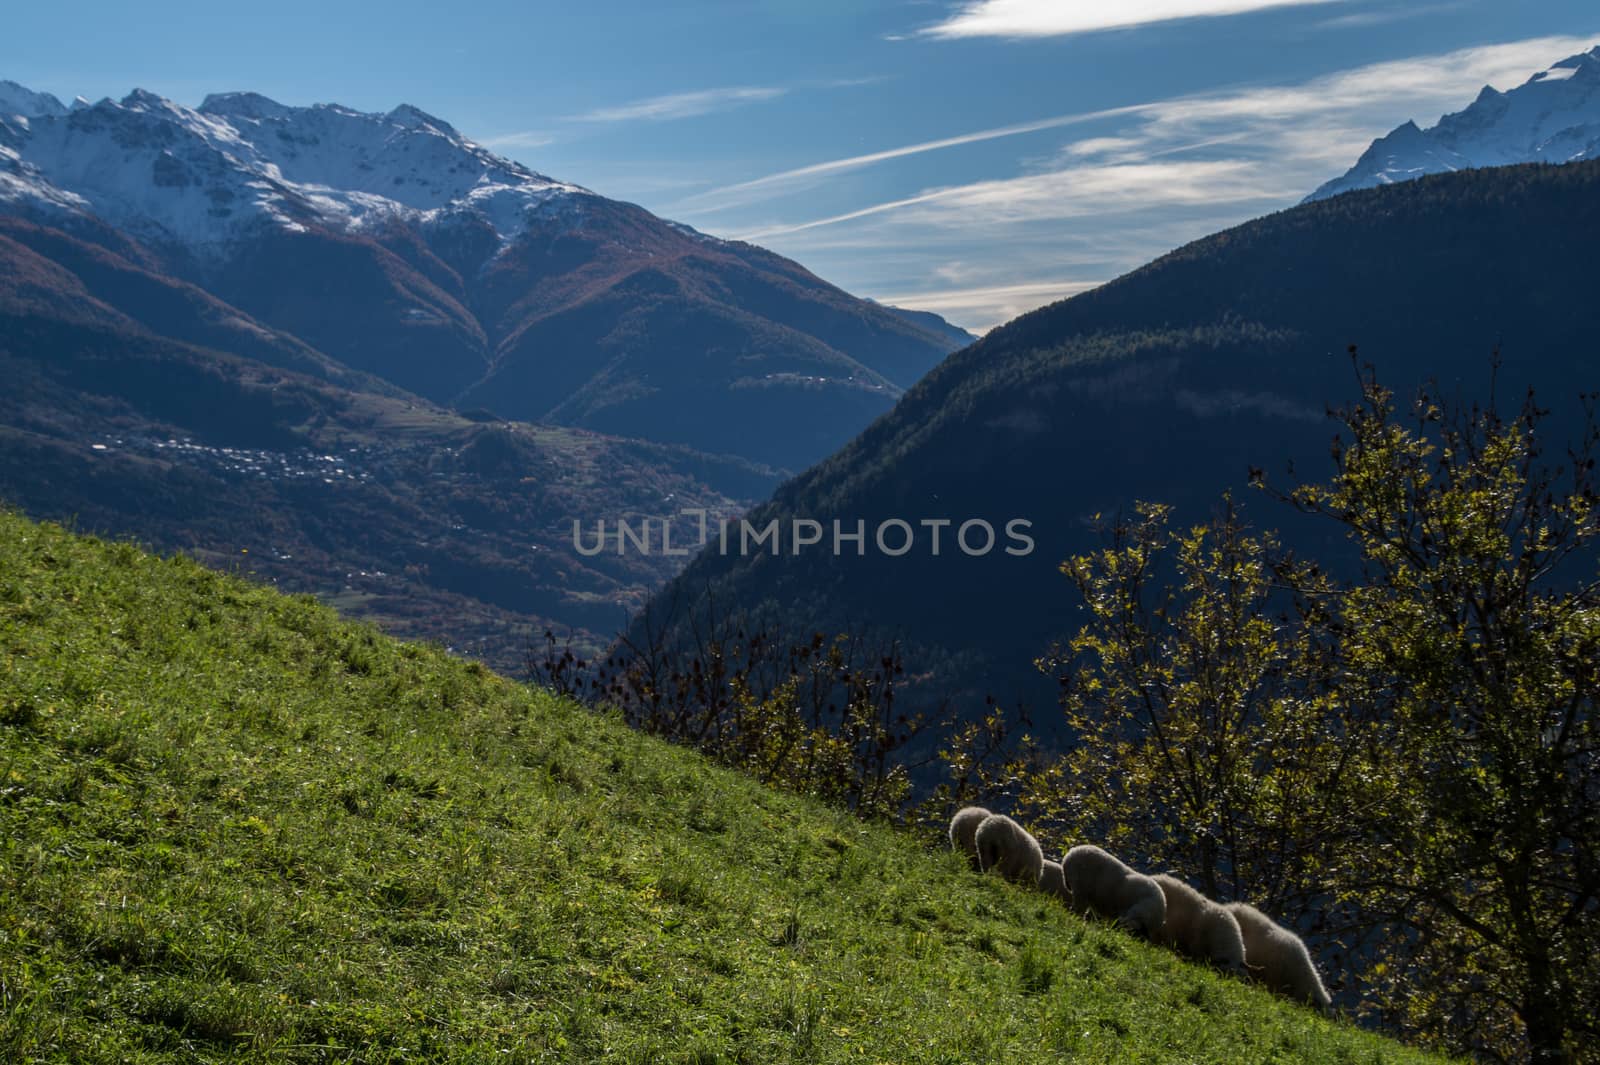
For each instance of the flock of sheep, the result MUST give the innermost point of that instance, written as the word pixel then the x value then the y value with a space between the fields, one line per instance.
pixel 1237 937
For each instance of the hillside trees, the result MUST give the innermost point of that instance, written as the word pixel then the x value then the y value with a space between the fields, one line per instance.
pixel 816 715
pixel 1200 706
pixel 1415 748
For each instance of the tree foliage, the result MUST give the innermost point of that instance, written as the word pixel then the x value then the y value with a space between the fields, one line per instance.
pixel 1411 752
pixel 1199 709
pixel 818 716
pixel 1476 630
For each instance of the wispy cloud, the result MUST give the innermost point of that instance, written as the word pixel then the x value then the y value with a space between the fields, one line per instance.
pixel 1384 16
pixel 785 180
pixel 852 83
pixel 1294 132
pixel 679 105
pixel 1073 192
pixel 529 138
pixel 1158 174
pixel 888 257
pixel 1352 104
pixel 1104 146
pixel 988 304
pixel 1057 18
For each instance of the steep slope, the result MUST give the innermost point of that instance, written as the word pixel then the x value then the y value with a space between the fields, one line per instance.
pixel 239 829
pixel 292 466
pixel 1168 384
pixel 1553 117
pixel 392 243
pixel 125 282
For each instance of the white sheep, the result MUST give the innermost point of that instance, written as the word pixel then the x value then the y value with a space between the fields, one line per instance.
pixel 1199 927
pixel 1053 881
pixel 1278 958
pixel 963 827
pixel 1101 884
pixel 1006 846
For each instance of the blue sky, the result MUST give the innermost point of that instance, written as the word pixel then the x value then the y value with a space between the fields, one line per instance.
pixel 973 157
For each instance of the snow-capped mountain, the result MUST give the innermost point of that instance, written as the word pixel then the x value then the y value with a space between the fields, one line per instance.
pixel 20 100
pixel 392 245
pixel 1553 117
pixel 201 178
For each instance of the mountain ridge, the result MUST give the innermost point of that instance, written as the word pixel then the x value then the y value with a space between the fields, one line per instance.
pixel 1168 385
pixel 465 277
pixel 1553 117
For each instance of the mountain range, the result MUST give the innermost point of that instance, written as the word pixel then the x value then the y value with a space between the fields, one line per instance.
pixel 359 355
pixel 1553 117
pixel 393 245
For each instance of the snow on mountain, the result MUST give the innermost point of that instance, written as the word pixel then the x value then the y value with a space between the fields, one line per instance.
pixel 200 178
pixel 19 100
pixel 1553 117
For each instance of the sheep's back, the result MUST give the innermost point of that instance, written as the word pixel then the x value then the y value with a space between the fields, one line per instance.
pixel 964 830
pixel 1097 879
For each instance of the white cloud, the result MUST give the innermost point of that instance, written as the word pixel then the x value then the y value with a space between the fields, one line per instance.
pixel 680 104
pixel 1074 192
pixel 1105 146
pixel 1093 191
pixel 1056 18
pixel 988 305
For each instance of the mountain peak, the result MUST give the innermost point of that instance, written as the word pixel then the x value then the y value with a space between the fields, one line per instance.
pixel 411 117
pixel 1553 117
pixel 20 100
pixel 242 105
pixel 242 159
pixel 144 99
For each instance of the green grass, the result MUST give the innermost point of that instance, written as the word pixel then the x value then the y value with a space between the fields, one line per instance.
pixel 233 826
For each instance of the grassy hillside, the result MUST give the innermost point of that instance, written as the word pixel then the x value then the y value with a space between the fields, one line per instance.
pixel 234 826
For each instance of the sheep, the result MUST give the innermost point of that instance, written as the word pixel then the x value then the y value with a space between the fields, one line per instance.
pixel 1052 881
pixel 1278 958
pixel 964 826
pixel 1101 884
pixel 1199 927
pixel 1007 847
